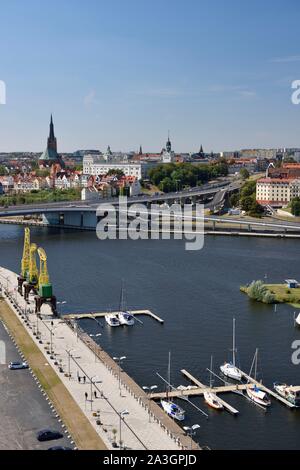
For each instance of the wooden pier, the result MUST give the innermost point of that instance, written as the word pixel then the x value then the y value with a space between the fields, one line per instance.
pixel 199 390
pixel 79 316
pixel 226 405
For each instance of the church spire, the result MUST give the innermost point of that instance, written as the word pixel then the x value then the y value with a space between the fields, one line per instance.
pixel 168 146
pixel 52 140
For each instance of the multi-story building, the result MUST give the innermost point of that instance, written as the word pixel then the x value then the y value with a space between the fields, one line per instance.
pixel 99 166
pixel 277 192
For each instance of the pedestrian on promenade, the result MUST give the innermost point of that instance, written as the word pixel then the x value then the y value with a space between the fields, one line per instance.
pixel 84 379
pixel 95 394
pixel 86 396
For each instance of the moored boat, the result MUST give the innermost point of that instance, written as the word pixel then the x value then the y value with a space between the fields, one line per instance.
pixel 112 320
pixel 173 410
pixel 289 392
pixel 212 400
pixel 229 369
pixel 258 396
pixel 126 318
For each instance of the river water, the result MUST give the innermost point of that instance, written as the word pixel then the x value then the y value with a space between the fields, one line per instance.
pixel 197 294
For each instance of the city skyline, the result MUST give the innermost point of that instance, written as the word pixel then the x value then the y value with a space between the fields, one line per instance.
pixel 122 75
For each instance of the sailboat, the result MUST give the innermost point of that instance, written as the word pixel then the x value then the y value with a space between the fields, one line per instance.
pixel 168 406
pixel 297 320
pixel 229 369
pixel 254 392
pixel 125 318
pixel 211 398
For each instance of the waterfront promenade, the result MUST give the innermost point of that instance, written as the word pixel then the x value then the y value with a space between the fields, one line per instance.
pixel 114 405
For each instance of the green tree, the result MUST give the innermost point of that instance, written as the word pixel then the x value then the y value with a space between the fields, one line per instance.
pixel 244 173
pixel 295 206
pixel 3 170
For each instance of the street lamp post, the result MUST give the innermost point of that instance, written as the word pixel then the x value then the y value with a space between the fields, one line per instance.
pixel 119 361
pixel 191 431
pixel 149 390
pixel 121 415
pixel 69 361
pixel 92 382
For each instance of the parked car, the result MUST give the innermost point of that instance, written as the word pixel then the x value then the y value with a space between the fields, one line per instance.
pixel 18 365
pixel 60 448
pixel 48 435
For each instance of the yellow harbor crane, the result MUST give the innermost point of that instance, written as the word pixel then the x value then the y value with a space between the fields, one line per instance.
pixel 33 274
pixel 26 254
pixel 45 287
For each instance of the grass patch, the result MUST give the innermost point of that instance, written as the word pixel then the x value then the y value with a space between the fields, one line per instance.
pixel 280 292
pixel 78 425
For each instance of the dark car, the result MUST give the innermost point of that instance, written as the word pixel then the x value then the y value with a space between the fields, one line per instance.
pixel 48 435
pixel 18 365
pixel 59 448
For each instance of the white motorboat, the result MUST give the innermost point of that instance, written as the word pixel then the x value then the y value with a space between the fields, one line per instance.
pixel 125 318
pixel 297 320
pixel 173 410
pixel 229 369
pixel 212 400
pixel 112 320
pixel 258 396
pixel 289 392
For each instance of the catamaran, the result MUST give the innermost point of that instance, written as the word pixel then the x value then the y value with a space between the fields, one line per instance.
pixel 229 369
pixel 168 406
pixel 125 318
pixel 211 398
pixel 254 392
pixel 289 392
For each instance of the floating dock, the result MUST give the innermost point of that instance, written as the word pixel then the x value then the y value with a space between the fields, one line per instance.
pixel 199 390
pixel 79 316
pixel 226 405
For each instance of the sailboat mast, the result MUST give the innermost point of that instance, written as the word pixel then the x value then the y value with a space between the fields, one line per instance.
pixel 255 365
pixel 169 376
pixel 210 374
pixel 233 343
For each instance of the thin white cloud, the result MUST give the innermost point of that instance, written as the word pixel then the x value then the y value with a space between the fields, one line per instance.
pixel 90 98
pixel 284 60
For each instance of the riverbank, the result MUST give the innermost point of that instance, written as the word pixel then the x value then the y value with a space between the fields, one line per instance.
pixel 105 390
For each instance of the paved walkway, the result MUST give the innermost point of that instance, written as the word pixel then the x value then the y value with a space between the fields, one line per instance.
pixel 74 355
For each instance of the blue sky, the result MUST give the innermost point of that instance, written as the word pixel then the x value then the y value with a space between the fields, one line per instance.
pixel 216 73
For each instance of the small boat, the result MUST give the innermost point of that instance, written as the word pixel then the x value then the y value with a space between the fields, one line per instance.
pixel 169 406
pixel 289 392
pixel 173 410
pixel 126 318
pixel 212 400
pixel 254 392
pixel 112 320
pixel 297 320
pixel 229 369
pixel 258 396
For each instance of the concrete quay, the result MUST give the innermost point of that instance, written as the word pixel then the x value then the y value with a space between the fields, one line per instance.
pixel 118 410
